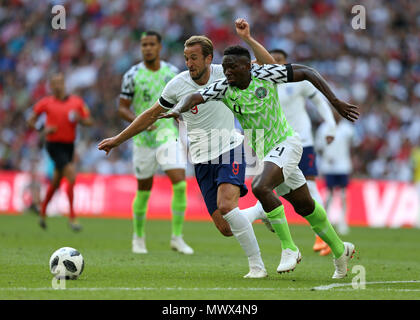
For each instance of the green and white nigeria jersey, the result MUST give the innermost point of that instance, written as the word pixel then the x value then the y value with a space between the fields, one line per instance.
pixel 144 87
pixel 257 107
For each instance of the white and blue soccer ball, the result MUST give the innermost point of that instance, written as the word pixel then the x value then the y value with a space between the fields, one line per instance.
pixel 67 263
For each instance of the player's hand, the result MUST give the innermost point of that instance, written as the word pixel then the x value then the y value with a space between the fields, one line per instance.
pixel 108 144
pixel 172 114
pixel 346 110
pixel 242 28
pixel 74 116
pixel 329 139
pixel 49 130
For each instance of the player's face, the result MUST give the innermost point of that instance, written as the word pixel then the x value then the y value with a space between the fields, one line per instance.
pixel 195 61
pixel 150 48
pixel 279 57
pixel 57 84
pixel 236 70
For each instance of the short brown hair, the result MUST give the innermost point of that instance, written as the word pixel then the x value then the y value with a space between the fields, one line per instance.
pixel 204 42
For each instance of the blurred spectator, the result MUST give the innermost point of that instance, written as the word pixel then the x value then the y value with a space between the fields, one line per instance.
pixel 377 68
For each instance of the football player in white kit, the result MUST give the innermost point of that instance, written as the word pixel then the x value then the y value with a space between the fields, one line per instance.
pixel 336 165
pixel 293 97
pixel 216 147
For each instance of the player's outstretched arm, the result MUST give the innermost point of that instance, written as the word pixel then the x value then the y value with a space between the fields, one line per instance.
pixel 141 123
pixel 185 105
pixel 301 73
pixel 261 54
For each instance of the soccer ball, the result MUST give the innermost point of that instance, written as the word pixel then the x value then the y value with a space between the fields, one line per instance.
pixel 66 263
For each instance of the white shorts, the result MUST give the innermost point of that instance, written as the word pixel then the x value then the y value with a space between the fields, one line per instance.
pixel 287 155
pixel 146 161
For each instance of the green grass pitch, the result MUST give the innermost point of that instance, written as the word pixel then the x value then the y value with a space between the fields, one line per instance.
pixel 390 257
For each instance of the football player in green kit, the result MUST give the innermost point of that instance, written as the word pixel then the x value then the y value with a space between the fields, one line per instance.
pixel 250 91
pixel 142 85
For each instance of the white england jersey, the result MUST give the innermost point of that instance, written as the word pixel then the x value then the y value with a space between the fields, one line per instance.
pixel 292 96
pixel 335 158
pixel 210 126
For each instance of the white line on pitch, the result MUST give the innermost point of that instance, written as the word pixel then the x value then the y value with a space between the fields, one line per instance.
pixel 337 285
pixel 153 288
pixel 341 286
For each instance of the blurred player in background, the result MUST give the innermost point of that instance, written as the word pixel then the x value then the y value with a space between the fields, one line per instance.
pixel 335 164
pixel 415 161
pixel 292 98
pixel 63 113
pixel 220 177
pixel 141 86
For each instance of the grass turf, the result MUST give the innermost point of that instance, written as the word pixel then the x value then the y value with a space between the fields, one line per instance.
pixel 215 271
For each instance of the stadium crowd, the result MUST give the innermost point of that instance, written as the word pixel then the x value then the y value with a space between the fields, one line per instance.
pixel 377 68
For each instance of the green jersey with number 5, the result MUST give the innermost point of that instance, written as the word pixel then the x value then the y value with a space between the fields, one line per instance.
pixel 144 87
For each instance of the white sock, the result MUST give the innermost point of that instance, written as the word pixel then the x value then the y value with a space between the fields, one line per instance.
pixel 243 232
pixel 329 200
pixel 253 213
pixel 313 190
pixel 343 218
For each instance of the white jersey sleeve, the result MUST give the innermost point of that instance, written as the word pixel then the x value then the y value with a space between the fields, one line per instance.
pixel 127 85
pixel 168 98
pixel 275 73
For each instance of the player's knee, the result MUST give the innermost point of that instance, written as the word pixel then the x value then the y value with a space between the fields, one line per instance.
pixel 225 206
pixel 304 206
pixel 259 190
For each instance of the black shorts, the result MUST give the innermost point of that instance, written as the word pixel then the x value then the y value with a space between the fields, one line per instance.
pixel 60 153
pixel 337 180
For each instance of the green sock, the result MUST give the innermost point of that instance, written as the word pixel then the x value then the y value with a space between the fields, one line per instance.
pixel 279 222
pixel 139 211
pixel 179 204
pixel 322 227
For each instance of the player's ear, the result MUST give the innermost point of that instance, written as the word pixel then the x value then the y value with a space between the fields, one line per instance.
pixel 208 59
pixel 248 65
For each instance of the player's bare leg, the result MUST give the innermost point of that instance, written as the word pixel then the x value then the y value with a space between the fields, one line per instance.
pixel 319 244
pixel 141 199
pixel 227 202
pixel 221 224
pixel 69 172
pixel 55 183
pixel 178 206
pixel 262 187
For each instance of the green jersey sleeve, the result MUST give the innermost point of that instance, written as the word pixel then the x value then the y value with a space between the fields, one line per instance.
pixel 215 91
pixel 275 73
